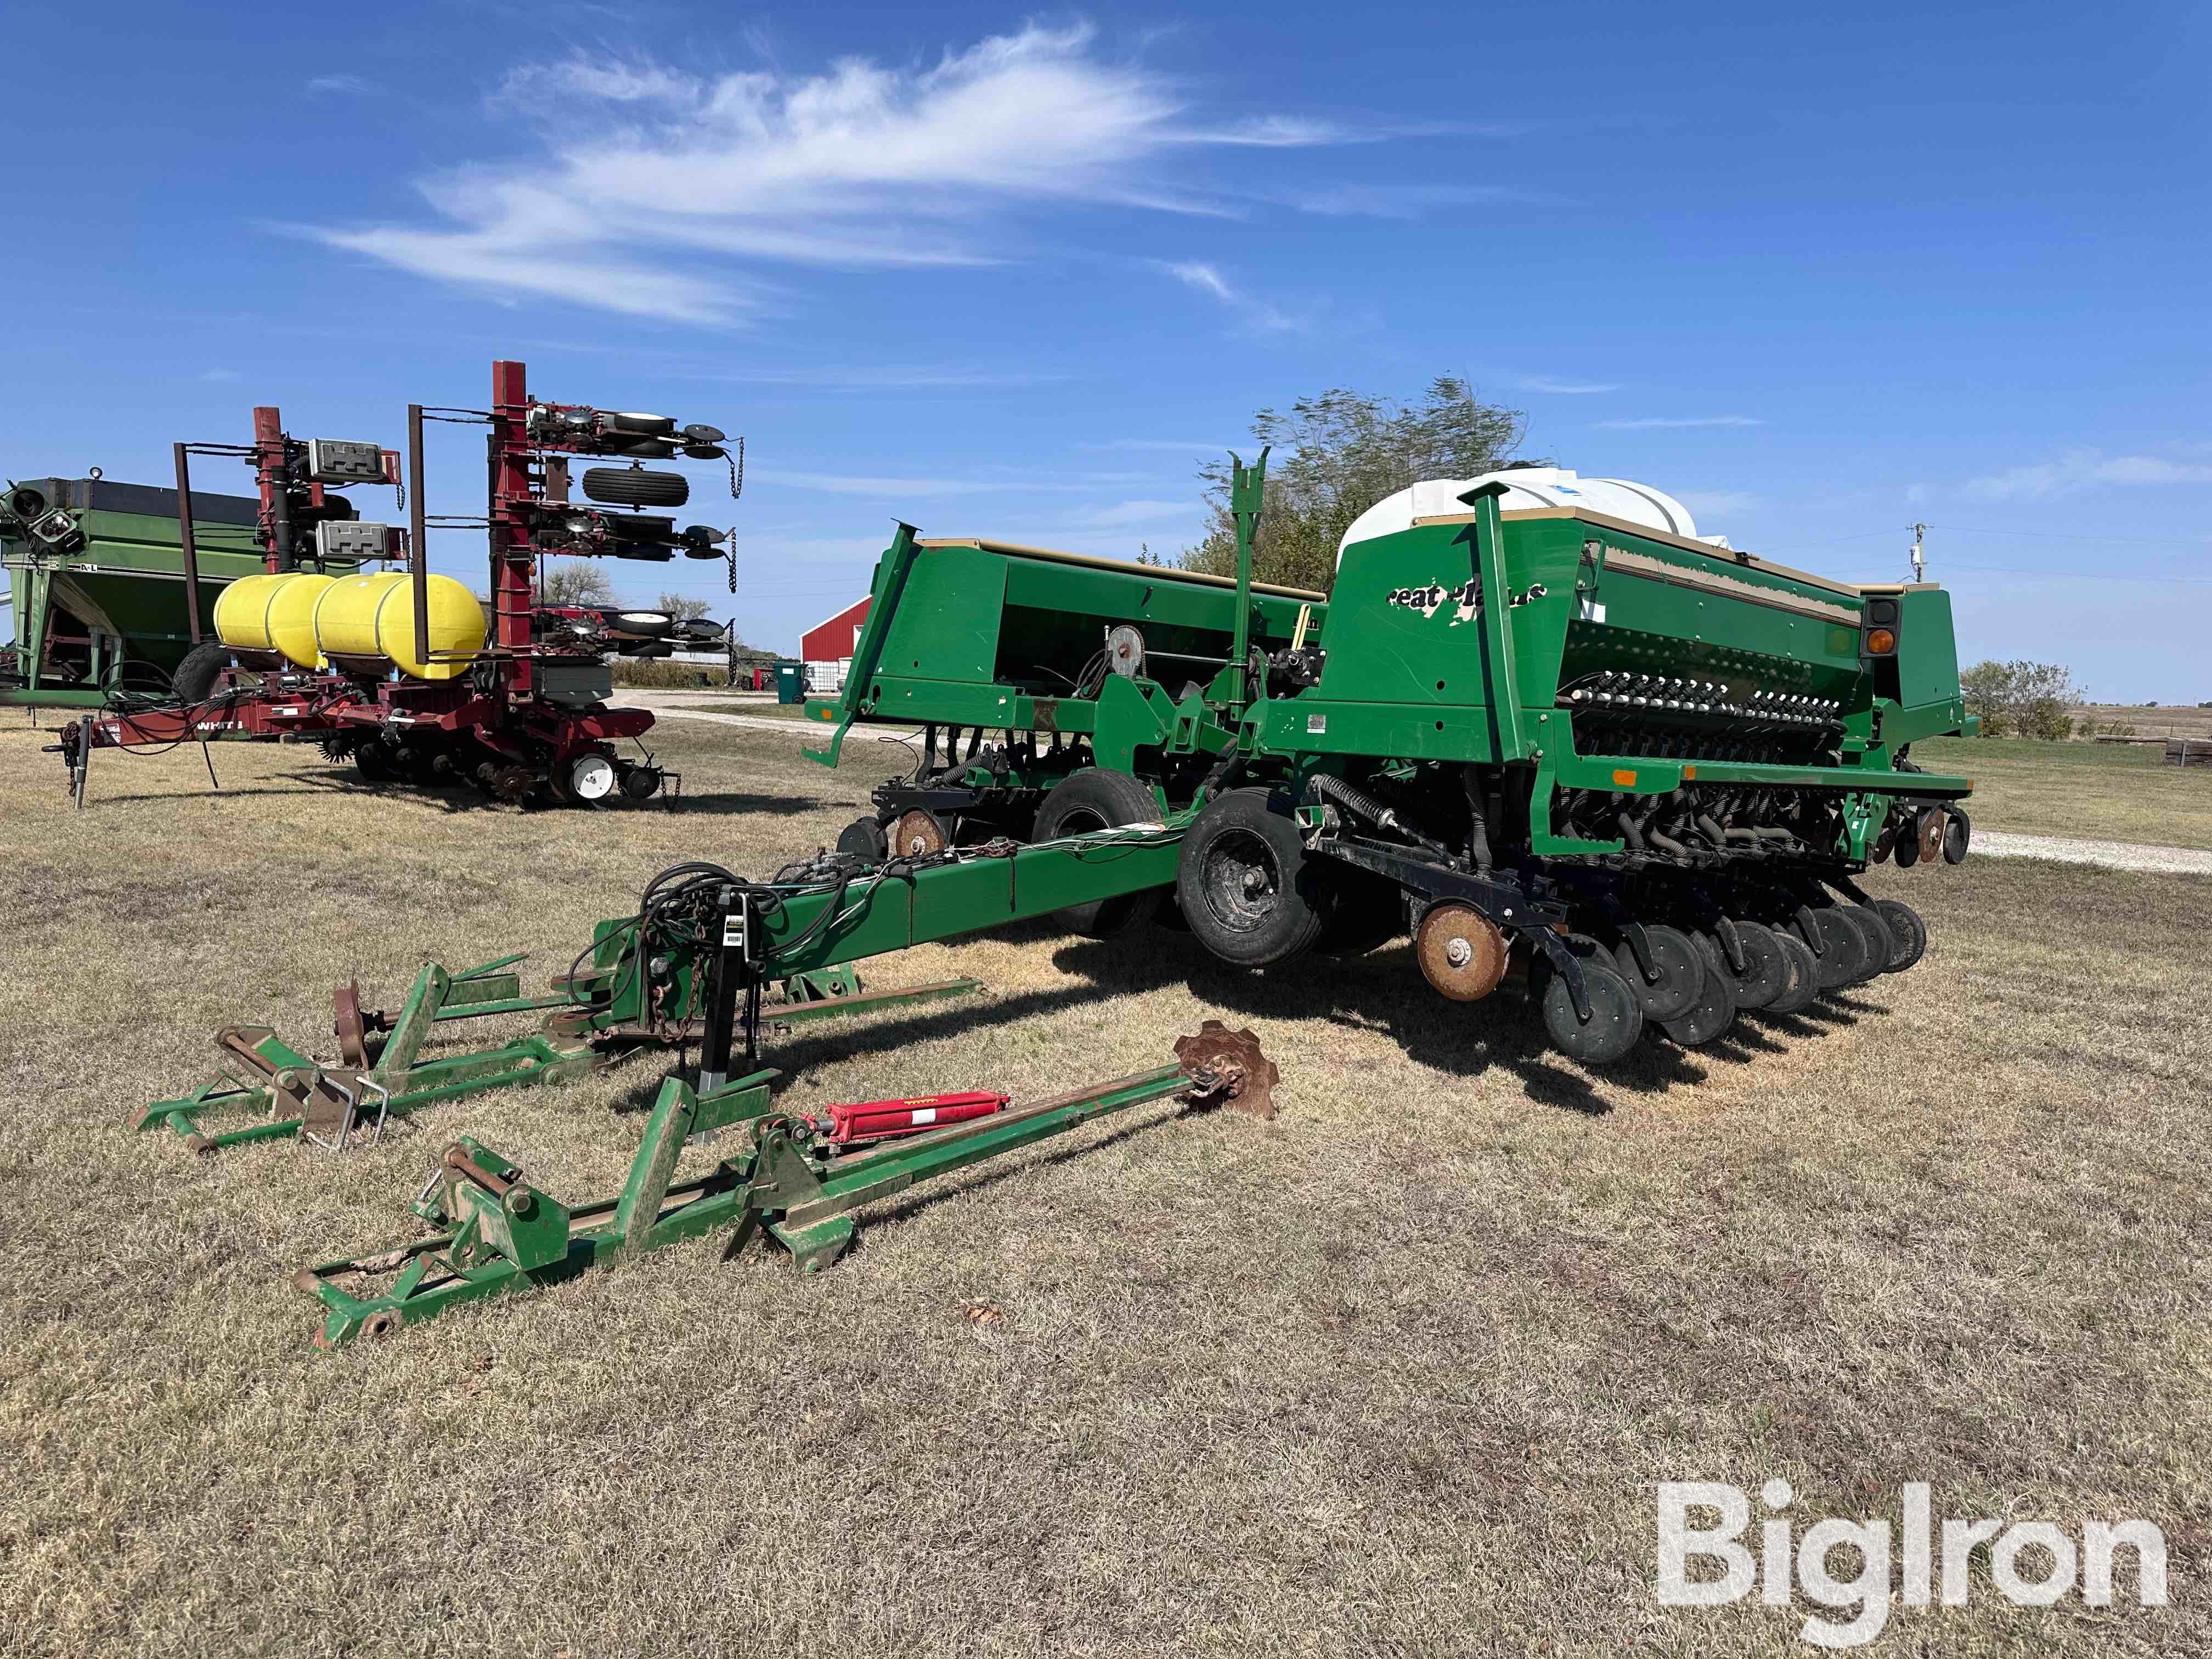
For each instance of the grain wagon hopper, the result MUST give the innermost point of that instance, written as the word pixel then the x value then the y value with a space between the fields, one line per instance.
pixel 398 670
pixel 103 614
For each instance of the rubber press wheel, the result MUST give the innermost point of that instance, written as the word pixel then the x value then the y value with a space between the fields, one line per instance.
pixel 1766 970
pixel 1908 934
pixel 1844 953
pixel 1714 1012
pixel 1615 1021
pixel 1804 973
pixel 1092 799
pixel 864 838
pixel 1878 944
pixel 1246 887
pixel 1675 959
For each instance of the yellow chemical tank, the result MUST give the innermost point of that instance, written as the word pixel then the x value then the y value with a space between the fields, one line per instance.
pixel 272 613
pixel 373 615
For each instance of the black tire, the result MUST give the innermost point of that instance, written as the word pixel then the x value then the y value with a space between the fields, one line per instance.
pixel 1908 934
pixel 1245 884
pixel 1616 1018
pixel 375 762
pixel 1092 799
pixel 1844 954
pixel 633 486
pixel 1878 945
pixel 1907 850
pixel 1681 974
pixel 1765 969
pixel 194 680
pixel 864 838
pixel 1714 1012
pixel 1958 833
pixel 643 426
pixel 1366 912
pixel 1804 973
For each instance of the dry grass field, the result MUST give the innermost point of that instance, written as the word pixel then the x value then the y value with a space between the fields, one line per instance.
pixel 2103 791
pixel 1396 1374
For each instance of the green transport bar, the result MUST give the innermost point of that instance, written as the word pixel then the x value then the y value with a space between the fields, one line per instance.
pixel 1645 766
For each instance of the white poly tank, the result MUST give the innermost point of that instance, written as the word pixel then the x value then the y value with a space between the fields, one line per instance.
pixel 1528 487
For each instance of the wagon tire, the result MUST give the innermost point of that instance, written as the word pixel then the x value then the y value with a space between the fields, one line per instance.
pixel 194 680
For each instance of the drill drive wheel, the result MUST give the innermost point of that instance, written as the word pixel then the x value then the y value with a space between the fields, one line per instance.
pixel 865 840
pixel 1804 973
pixel 1616 1019
pixel 1367 912
pixel 1088 799
pixel 1675 959
pixel 917 835
pixel 1244 882
pixel 1461 951
pixel 1908 934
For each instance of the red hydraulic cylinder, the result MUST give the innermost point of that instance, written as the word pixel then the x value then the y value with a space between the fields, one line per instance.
pixel 877 1120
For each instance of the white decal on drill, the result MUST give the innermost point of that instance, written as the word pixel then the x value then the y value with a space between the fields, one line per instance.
pixel 925 1115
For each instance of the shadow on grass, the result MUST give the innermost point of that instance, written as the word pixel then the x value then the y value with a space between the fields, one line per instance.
pixel 1384 993
pixel 462 798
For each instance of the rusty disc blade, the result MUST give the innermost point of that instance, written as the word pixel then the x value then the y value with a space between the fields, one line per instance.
pixel 1931 836
pixel 351 1029
pixel 917 835
pixel 1461 951
pixel 1246 1076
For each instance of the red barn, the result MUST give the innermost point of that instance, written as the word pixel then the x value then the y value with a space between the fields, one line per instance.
pixel 832 639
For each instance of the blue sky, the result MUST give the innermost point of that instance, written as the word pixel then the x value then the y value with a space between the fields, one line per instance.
pixel 1819 272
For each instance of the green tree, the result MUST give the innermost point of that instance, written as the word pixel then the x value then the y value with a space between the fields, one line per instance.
pixel 2021 699
pixel 1337 453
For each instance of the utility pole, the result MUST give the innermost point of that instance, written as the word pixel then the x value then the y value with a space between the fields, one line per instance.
pixel 1919 565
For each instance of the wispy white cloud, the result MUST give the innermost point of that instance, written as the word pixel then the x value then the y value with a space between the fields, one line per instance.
pixel 1558 388
pixel 1255 314
pixel 2083 469
pixel 653 179
pixel 1679 423
pixel 220 374
pixel 348 85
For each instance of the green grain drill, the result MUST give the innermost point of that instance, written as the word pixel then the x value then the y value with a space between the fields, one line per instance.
pixel 1651 763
